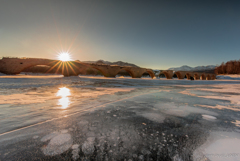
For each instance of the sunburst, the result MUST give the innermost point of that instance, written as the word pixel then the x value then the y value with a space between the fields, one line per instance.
pixel 64 64
pixel 64 57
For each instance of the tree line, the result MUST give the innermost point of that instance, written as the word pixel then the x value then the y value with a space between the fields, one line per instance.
pixel 230 67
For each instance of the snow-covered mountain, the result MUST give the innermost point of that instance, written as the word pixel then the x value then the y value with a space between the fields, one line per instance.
pixel 182 68
pixel 120 63
pixel 208 67
pixel 198 68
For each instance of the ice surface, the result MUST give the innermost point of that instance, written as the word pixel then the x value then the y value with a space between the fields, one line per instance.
pixel 221 107
pixel 234 99
pixel 229 77
pixel 116 118
pixel 27 98
pixel 88 146
pixel 208 117
pixel 229 92
pixel 36 97
pixel 58 144
pixel 236 122
pixel 64 131
pixel 223 88
pixel 220 146
pixel 75 151
pixel 49 136
pixel 35 137
pixel 75 146
pixel 157 117
pixel 182 111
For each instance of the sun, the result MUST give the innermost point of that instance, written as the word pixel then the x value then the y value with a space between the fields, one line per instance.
pixel 64 57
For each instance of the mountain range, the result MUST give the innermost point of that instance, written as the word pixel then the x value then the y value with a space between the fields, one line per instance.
pixel 198 68
pixel 182 68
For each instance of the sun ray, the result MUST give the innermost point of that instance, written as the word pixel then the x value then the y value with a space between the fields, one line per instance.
pixel 58 68
pixel 71 68
pixel 63 68
pixel 74 65
pixel 70 46
pixel 66 67
pixel 53 67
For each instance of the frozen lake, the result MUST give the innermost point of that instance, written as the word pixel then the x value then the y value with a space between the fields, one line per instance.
pixel 97 118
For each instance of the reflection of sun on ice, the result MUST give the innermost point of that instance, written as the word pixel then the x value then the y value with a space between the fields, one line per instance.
pixel 64 93
pixel 64 57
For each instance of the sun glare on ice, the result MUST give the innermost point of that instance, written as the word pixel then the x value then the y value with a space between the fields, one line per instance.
pixel 64 100
pixel 64 57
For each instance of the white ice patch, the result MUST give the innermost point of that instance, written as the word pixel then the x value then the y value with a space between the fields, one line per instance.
pixel 75 152
pixel 182 111
pixel 49 136
pixel 220 146
pixel 35 137
pixel 208 117
pixel 156 117
pixel 58 144
pixel 75 146
pixel 88 146
pixel 223 149
pixel 83 123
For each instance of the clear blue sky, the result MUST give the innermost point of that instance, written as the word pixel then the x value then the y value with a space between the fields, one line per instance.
pixel 153 34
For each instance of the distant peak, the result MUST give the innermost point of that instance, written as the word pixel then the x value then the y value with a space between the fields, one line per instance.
pixel 188 68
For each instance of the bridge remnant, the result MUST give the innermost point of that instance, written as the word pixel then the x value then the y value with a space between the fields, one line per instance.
pixel 17 65
pixel 68 68
pixel 73 68
pixel 190 75
pixel 168 73
pixel 106 70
